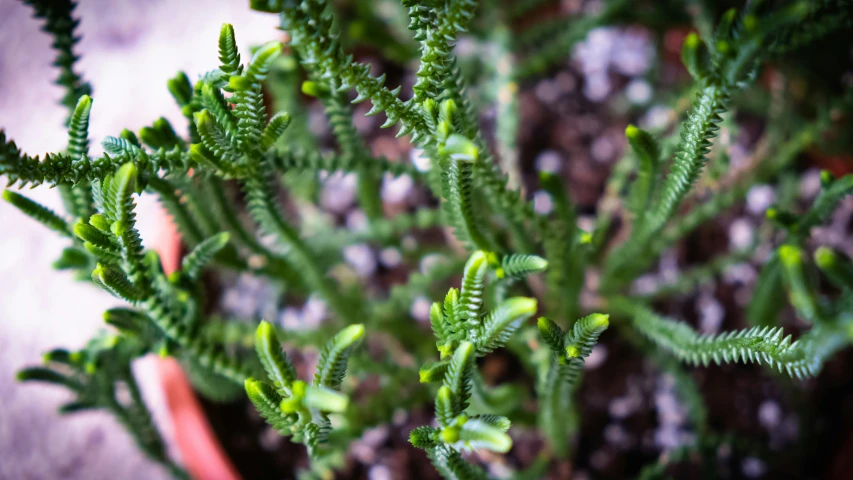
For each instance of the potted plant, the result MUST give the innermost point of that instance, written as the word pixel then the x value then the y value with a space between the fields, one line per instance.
pixel 483 380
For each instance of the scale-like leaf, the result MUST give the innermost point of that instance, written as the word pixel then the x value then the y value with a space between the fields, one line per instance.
pixel 458 378
pixel 275 362
pixel 38 212
pixel 332 366
pixel 503 321
pixel 479 433
pixel 202 254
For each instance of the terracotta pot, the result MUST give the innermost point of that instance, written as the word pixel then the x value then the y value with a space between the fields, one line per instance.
pixel 202 455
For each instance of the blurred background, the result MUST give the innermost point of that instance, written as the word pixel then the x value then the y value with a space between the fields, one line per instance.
pixel 129 49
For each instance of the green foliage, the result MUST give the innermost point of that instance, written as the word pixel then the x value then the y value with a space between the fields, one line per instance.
pixel 332 366
pixel 768 297
pixel 464 333
pixel 292 406
pixel 37 212
pixel 564 250
pixel 457 184
pixel 799 292
pixel 801 358
pixel 202 254
pixel 220 183
pixel 559 377
pixel 60 24
pixel 832 191
pixel 729 68
pixel 100 378
pixel 228 54
pixel 278 368
pixel 700 127
pixel 78 199
pixel 647 150
pixel 519 266
pixel 452 466
pixel 837 268
pixel 461 317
